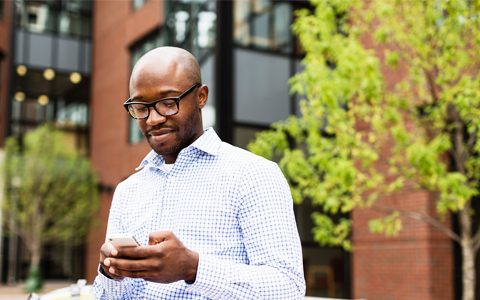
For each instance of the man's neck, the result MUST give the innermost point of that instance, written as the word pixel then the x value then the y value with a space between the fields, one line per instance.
pixel 171 158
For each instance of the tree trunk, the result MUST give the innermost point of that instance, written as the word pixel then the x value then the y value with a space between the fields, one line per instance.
pixel 36 237
pixel 35 262
pixel 468 255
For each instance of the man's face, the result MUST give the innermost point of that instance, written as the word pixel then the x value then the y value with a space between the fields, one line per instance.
pixel 169 135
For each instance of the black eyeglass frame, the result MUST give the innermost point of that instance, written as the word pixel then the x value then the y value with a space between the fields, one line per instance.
pixel 153 104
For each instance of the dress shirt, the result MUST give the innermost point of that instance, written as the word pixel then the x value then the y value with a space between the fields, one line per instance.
pixel 232 207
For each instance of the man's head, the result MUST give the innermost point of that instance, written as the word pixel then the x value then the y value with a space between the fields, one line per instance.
pixel 168 72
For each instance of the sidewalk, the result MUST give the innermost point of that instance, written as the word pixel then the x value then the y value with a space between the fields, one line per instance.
pixel 17 292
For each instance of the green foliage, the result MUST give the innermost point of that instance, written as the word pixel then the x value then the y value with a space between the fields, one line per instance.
pixel 391 224
pixel 328 233
pixel 51 189
pixel 360 137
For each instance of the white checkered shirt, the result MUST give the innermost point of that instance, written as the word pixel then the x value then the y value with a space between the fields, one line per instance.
pixel 232 207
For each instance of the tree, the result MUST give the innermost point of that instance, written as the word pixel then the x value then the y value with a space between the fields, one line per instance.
pixel 50 192
pixel 424 129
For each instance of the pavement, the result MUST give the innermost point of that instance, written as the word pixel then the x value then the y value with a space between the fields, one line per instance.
pixel 17 292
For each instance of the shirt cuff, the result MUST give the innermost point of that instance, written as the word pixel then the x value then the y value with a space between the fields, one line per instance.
pixel 112 287
pixel 221 279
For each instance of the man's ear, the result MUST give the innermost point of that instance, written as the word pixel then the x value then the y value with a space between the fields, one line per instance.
pixel 202 96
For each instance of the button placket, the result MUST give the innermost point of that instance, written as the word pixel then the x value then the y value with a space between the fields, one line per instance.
pixel 166 213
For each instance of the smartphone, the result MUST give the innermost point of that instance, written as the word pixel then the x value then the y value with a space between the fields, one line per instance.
pixel 123 240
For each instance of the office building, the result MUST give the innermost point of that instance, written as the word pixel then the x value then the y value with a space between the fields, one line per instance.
pixel 69 62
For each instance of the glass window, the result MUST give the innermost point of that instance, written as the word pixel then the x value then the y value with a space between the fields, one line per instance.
pixel 260 87
pixel 2 8
pixel 243 135
pixel 134 134
pixel 191 25
pixel 66 17
pixel 37 17
pixel 263 25
pixel 325 267
pixel 50 96
pixel 153 41
pixel 72 114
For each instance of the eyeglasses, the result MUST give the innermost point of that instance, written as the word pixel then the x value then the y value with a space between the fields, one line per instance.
pixel 165 107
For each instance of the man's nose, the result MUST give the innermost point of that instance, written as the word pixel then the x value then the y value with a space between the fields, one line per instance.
pixel 155 118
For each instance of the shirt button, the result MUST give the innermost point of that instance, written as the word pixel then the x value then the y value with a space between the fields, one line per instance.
pixel 172 179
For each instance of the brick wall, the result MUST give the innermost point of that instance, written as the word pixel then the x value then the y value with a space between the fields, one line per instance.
pixel 4 66
pixel 115 27
pixel 416 264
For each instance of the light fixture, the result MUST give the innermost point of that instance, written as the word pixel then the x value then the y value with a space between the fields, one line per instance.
pixel 19 96
pixel 49 74
pixel 43 100
pixel 21 70
pixel 75 77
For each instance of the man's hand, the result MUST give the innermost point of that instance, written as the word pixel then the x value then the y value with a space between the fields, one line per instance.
pixel 164 260
pixel 106 252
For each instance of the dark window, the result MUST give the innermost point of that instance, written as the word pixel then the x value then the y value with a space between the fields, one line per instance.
pixel 152 41
pixel 191 26
pixel 70 18
pixel 263 25
pixel 63 99
pixel 326 268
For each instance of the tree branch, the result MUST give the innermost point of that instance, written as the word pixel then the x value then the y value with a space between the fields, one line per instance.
pixel 470 144
pixel 24 235
pixel 457 138
pixel 431 85
pixel 422 217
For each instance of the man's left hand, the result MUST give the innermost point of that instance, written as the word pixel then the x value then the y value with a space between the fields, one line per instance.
pixel 164 260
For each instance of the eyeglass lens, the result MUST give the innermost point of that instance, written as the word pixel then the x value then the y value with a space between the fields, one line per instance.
pixel 164 107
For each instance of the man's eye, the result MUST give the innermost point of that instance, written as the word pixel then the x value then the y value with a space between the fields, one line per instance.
pixel 168 104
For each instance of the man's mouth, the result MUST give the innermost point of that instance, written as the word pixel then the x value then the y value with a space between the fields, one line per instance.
pixel 161 135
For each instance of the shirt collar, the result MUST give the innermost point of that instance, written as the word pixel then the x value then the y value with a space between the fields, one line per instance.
pixel 208 142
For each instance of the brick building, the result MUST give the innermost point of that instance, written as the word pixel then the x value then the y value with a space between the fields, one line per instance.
pixel 247 54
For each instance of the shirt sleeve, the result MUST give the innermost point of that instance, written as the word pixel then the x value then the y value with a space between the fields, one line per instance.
pixel 270 236
pixel 128 288
pixel 110 289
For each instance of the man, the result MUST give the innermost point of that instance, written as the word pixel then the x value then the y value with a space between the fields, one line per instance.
pixel 214 221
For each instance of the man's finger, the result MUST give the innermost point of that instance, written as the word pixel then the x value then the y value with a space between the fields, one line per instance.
pixel 131 264
pixel 126 273
pixel 106 249
pixel 156 238
pixel 139 252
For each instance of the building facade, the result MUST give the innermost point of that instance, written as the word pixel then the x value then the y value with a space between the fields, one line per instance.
pixel 46 59
pixel 69 62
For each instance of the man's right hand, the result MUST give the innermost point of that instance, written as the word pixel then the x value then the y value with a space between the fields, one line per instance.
pixel 106 252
